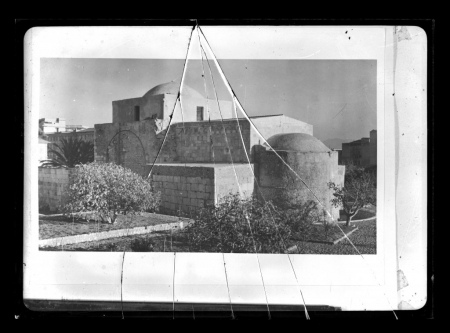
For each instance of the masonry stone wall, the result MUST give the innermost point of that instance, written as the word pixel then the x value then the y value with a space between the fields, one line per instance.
pixel 189 188
pixel 226 182
pixel 134 144
pixel 212 142
pixel 315 170
pixel 52 184
pixel 183 188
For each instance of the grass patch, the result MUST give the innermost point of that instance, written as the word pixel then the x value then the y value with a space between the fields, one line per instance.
pixel 159 241
pixel 363 214
pixel 61 226
pixel 364 239
pixel 325 233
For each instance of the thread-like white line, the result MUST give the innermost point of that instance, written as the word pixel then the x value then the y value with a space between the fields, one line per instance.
pixel 273 220
pixel 178 99
pixel 237 180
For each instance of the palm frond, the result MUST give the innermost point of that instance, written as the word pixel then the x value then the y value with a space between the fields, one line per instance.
pixel 73 151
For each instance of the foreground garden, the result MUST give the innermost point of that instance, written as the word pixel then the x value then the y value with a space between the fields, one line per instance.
pixel 103 198
pixel 364 239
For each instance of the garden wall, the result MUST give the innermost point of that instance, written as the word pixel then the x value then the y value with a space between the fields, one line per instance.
pixel 51 186
pixel 188 188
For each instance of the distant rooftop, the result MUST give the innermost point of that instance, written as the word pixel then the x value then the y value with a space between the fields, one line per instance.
pixel 85 130
pixel 230 119
pixel 269 115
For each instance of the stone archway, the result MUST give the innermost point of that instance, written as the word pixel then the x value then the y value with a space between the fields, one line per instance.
pixel 126 149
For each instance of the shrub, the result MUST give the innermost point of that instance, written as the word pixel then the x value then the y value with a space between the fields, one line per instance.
pixel 108 190
pixel 142 245
pixel 358 191
pixel 245 225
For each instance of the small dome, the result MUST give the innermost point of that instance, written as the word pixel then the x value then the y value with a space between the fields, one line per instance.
pixel 172 89
pixel 300 142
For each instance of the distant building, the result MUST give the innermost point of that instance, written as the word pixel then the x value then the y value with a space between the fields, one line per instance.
pixel 42 149
pixel 373 147
pixel 339 151
pixel 52 125
pixel 361 152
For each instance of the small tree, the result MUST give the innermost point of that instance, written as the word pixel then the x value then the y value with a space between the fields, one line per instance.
pixel 358 191
pixel 109 189
pixel 71 152
pixel 238 225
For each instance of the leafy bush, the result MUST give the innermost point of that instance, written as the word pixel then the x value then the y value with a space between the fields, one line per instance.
pixel 142 245
pixel 358 191
pixel 108 190
pixel 245 225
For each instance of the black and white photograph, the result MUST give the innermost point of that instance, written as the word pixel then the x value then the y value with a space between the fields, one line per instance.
pixel 158 155
pixel 253 165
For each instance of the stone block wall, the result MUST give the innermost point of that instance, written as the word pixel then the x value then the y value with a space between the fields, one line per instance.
pixel 314 170
pixel 192 187
pixel 226 183
pixel 212 142
pixel 134 144
pixel 138 143
pixel 183 188
pixel 52 185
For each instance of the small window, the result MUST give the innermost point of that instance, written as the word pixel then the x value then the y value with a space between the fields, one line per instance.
pixel 199 113
pixel 137 112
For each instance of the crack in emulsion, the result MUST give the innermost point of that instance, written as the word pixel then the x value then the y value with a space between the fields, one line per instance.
pixel 173 285
pixel 121 285
pixel 254 127
pixel 248 160
pixel 176 101
pixel 213 158
pixel 235 100
pixel 237 179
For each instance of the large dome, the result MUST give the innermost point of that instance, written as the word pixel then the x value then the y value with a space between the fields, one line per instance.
pixel 172 89
pixel 300 142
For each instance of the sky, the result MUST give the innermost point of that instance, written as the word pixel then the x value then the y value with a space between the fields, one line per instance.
pixel 338 97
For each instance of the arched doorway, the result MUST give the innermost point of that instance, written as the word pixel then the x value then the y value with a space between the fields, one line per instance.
pixel 126 149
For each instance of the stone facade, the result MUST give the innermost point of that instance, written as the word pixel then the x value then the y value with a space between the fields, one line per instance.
pixel 52 184
pixel 195 161
pixel 188 188
pixel 314 165
pixel 135 144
